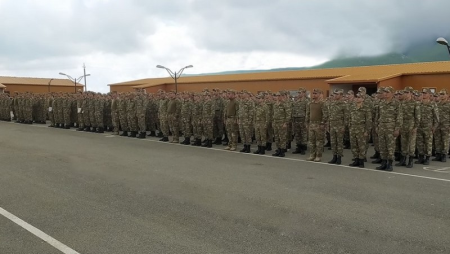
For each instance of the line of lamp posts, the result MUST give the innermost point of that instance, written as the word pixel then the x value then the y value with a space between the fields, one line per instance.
pixel 176 75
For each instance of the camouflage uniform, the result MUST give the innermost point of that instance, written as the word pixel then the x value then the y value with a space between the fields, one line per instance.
pixel 390 120
pixel 115 115
pixel 281 118
pixel 162 115
pixel 360 124
pixel 316 117
pixel 337 122
pixel 173 118
pixel 208 112
pixel 99 107
pixel 231 123
pixel 80 112
pixel 299 123
pixel 131 115
pixel 141 108
pixel 85 111
pixel 261 121
pixel 270 133
pixel 186 113
pixel 123 119
pixel 91 110
pixel 428 122
pixel 442 132
pixel 246 114
pixel 218 119
pixel 196 116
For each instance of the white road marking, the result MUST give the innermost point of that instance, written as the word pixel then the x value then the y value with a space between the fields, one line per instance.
pixel 293 159
pixel 43 236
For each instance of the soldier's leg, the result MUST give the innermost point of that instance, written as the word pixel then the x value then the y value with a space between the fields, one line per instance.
pixel 320 137
pixel 354 143
pixel 312 142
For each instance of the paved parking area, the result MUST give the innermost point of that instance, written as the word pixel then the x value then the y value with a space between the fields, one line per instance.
pixel 97 193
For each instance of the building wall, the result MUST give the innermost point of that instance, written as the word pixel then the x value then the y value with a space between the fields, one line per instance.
pixel 121 88
pixel 395 83
pixel 438 81
pixel 40 89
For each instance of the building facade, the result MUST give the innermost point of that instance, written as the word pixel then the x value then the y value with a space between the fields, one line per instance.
pixel 37 85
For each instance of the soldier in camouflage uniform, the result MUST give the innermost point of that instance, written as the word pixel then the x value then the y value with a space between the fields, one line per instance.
pixel 231 121
pixel 162 115
pixel 245 117
pixel 442 132
pixel 152 111
pixel 218 117
pixel 337 122
pixel 141 108
pixel 186 114
pixel 196 116
pixel 270 99
pixel 91 110
pixel 115 113
pixel 316 118
pixel 411 119
pixel 28 108
pixel 99 108
pixel 173 117
pixel 208 112
pixel 390 120
pixel 375 107
pixel 429 121
pixel 79 100
pixel 281 118
pixel 131 115
pixel 107 112
pixel 123 119
pixel 299 121
pixel 261 119
pixel 360 124
pixel 51 116
pixel 85 111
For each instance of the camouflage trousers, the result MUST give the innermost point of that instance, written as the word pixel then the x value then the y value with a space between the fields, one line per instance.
pixel 260 133
pixel 80 120
pixel 316 139
pixel 115 122
pixel 246 132
pixel 376 143
pixel 123 121
pixel 424 140
pixel 164 125
pixel 218 126
pixel 408 140
pixel 289 132
pixel 300 131
pixel 173 126
pixel 141 122
pixel 270 133
pixel 441 137
pixel 207 126
pixel 132 122
pixel 186 127
pixel 337 130
pixel 86 118
pixel 196 128
pixel 51 118
pixel 232 130
pixel 100 119
pixel 92 118
pixel 387 140
pixel 66 115
pixel 151 122
pixel 358 141
pixel 280 133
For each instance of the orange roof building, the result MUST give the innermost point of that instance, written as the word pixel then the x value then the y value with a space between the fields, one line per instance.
pixel 434 75
pixel 38 85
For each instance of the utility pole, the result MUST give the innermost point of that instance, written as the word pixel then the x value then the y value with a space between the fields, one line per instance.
pixel 84 70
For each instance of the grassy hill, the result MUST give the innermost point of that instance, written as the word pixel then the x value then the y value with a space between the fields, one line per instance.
pixel 420 52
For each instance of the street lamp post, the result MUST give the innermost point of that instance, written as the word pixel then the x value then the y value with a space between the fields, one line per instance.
pixel 75 80
pixel 175 75
pixel 49 84
pixel 444 42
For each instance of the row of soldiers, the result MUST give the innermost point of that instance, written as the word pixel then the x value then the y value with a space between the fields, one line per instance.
pixel 266 117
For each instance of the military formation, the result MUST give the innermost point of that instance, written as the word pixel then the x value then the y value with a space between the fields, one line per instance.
pixel 402 125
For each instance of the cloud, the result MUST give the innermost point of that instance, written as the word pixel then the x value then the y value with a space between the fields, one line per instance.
pixel 125 40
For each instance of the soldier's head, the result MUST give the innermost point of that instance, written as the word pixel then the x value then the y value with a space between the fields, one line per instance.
pixel 231 94
pixel 388 92
pixel 337 94
pixel 316 93
pixel 443 94
pixel 350 95
pixel 362 90
pixel 359 97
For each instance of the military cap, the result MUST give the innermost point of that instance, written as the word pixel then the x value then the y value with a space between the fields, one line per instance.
pixel 362 89
pixel 360 95
pixel 389 89
pixel 351 92
pixel 426 90
pixel 380 89
pixel 443 91
pixel 409 89
pixel 302 90
pixel 338 91
pixel 316 90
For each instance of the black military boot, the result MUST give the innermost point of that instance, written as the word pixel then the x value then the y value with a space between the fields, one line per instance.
pixel 361 163
pixel 389 165
pixel 187 141
pixel 164 139
pixel 160 134
pixel 382 166
pixel 333 161
pixel 376 155
pixel 269 146
pixel 243 149
pixel 257 151
pixel 397 156
pixel 298 149
pixel 338 160
pixel 124 134
pixel 194 143
pixel 438 157
pixel 204 143
pixel 218 141
pixel 248 149
pixel 282 152
pixel 209 143
pixel 152 134
pixel 377 161
pixel 426 161
pixel 263 150
pixel 132 134
pixel 354 163
pixel 444 158
pixel 410 162
pixel 421 159
pixel 402 161
pixel 198 142
pixel 277 152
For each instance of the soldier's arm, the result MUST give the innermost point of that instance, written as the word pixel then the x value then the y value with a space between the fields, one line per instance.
pixel 418 116
pixel 368 120
pixel 399 119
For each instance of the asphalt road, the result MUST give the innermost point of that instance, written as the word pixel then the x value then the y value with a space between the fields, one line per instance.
pixel 98 193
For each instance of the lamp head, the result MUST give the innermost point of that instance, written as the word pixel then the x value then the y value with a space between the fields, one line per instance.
pixel 189 66
pixel 160 66
pixel 62 74
pixel 442 41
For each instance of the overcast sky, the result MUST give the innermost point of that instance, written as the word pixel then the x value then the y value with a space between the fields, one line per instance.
pixel 122 40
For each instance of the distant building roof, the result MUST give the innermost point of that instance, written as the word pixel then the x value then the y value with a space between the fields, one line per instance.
pixel 36 81
pixel 362 74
